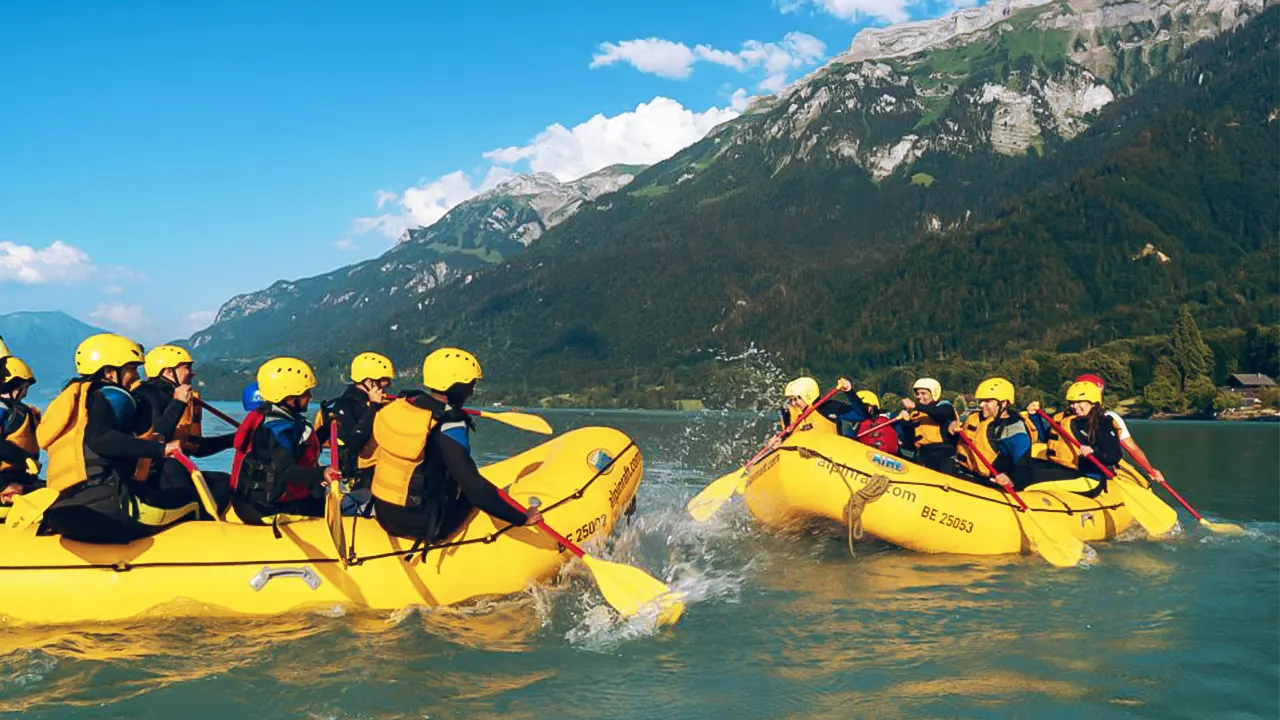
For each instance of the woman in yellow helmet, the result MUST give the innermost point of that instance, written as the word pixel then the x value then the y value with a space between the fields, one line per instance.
pixel 1092 428
pixel 354 410
pixel 19 451
pixel 924 424
pixel 999 433
pixel 276 470
pixel 168 404
pixel 425 483
pixel 89 431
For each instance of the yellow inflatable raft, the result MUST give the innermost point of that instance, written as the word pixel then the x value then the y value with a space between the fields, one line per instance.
pixel 815 476
pixel 585 480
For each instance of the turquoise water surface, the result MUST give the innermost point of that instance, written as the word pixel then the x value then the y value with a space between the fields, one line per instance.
pixel 776 626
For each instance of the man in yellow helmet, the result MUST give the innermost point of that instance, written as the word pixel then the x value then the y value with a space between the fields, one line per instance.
pixel 89 431
pixel 19 451
pixel 354 411
pixel 276 469
pixel 999 433
pixel 426 483
pixel 168 406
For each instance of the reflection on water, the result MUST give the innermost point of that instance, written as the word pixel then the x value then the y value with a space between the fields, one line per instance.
pixel 776 627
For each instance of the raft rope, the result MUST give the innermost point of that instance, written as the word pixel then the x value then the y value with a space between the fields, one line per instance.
pixel 125 566
pixel 875 487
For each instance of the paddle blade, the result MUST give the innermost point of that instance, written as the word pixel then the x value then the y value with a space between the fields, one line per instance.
pixel 1059 550
pixel 708 502
pixel 1222 528
pixel 629 590
pixel 206 496
pixel 521 421
pixel 1157 518
pixel 29 508
pixel 333 518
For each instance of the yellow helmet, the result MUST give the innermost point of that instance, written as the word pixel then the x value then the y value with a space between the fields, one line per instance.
pixel 446 367
pixel 933 386
pixel 995 389
pixel 371 366
pixel 163 357
pixel 279 378
pixel 18 370
pixel 870 398
pixel 106 350
pixel 805 388
pixel 1084 392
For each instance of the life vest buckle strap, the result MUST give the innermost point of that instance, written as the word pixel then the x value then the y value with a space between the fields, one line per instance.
pixel 268 573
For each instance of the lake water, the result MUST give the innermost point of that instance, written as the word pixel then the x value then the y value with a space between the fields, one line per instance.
pixel 777 627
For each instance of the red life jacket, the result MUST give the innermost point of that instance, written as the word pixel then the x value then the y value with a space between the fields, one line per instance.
pixel 243 445
pixel 884 438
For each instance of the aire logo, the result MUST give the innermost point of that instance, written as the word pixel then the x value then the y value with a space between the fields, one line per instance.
pixel 892 464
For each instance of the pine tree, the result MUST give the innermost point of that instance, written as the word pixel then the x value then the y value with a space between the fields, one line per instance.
pixel 1192 357
pixel 1162 394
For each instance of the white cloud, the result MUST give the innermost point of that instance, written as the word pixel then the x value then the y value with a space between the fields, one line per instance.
pixel 654 131
pixel 121 317
pixel 198 320
pixel 675 60
pixel 57 263
pixel 650 55
pixel 893 11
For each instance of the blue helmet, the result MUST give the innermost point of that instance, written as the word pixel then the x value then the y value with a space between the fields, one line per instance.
pixel 250 397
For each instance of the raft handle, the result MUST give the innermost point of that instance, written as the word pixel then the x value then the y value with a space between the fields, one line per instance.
pixel 268 573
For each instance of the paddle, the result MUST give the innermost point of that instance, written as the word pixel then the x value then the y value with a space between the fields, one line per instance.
pixel 333 500
pixel 1225 528
pixel 518 420
pixel 1060 551
pixel 628 589
pixel 202 487
pixel 1155 520
pixel 707 502
pixel 218 413
pixel 30 507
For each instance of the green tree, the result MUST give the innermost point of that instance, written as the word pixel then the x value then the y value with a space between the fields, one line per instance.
pixel 1225 400
pixel 1192 357
pixel 1201 394
pixel 1162 394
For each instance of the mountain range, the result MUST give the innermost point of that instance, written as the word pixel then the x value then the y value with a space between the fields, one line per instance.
pixel 1024 174
pixel 47 342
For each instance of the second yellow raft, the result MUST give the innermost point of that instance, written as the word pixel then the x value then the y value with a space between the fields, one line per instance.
pixel 825 476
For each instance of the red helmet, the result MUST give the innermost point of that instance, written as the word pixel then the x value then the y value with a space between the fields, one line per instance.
pixel 1091 378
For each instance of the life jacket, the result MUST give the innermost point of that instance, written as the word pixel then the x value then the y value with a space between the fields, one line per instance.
pixel 368 455
pixel 188 432
pixel 978 430
pixel 251 476
pixel 815 422
pixel 400 431
pixel 884 437
pixel 1059 449
pixel 926 430
pixel 18 423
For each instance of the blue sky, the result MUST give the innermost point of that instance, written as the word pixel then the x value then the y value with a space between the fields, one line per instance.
pixel 157 158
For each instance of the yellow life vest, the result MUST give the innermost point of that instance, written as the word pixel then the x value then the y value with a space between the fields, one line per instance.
pixel 816 423
pixel 188 433
pixel 400 431
pixel 976 429
pixel 927 430
pixel 23 436
pixel 1059 449
pixel 61 434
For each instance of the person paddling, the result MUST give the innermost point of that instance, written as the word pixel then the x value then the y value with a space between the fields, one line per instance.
pixel 1091 427
pixel 999 433
pixel 89 431
pixel 19 450
pixel 170 408
pixel 276 470
pixel 354 410
pixel 426 483
pixel 925 422
pixel 1126 439
pixel 873 428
